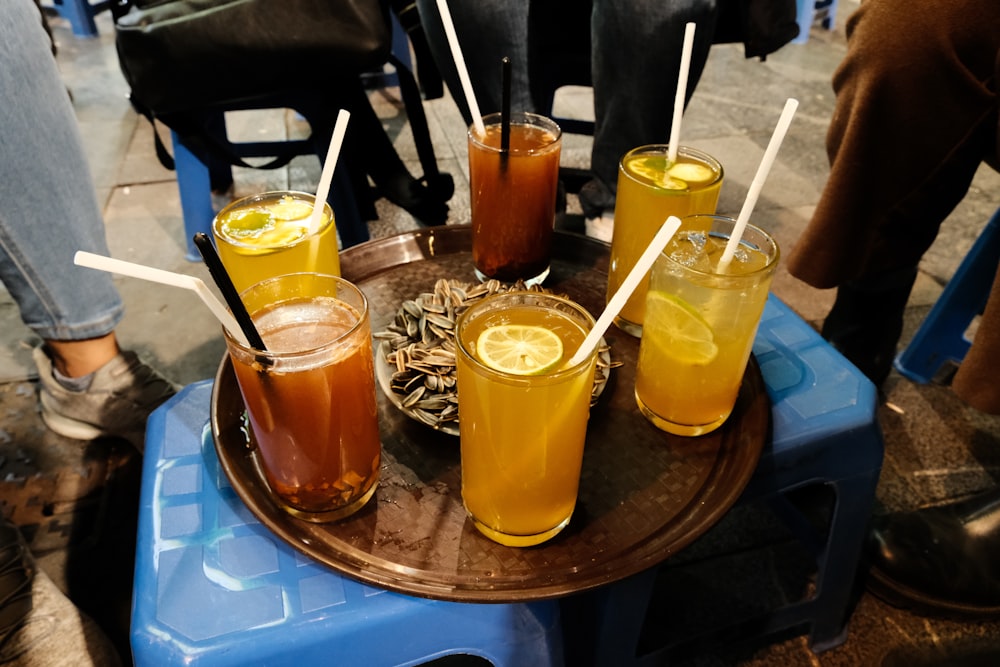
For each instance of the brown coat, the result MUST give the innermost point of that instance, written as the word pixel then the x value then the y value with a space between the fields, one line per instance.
pixel 916 115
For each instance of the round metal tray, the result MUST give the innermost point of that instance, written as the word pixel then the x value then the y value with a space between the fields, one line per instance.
pixel 644 494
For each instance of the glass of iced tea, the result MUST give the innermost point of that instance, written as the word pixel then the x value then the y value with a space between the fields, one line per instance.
pixel 652 188
pixel 701 320
pixel 514 197
pixel 267 235
pixel 523 413
pixel 310 396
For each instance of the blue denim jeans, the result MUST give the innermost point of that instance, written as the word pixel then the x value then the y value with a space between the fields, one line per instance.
pixel 635 57
pixel 48 205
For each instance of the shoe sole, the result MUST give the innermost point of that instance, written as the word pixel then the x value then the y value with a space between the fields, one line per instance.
pixel 903 597
pixel 72 429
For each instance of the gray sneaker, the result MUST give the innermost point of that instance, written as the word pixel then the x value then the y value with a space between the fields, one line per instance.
pixel 122 394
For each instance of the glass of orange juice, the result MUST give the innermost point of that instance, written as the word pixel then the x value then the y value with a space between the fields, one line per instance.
pixel 701 320
pixel 651 188
pixel 522 413
pixel 310 396
pixel 267 235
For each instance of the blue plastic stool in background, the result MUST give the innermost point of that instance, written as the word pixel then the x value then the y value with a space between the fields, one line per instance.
pixel 80 14
pixel 809 12
pixel 213 586
pixel 825 432
pixel 941 337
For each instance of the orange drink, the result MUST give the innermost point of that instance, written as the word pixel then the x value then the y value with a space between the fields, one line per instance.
pixel 268 235
pixel 522 413
pixel 310 397
pixel 514 197
pixel 700 324
pixel 651 189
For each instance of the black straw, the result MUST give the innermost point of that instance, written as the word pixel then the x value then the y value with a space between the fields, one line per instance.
pixel 505 109
pixel 229 293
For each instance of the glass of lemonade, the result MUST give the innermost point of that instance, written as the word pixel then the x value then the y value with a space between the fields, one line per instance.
pixel 267 235
pixel 310 397
pixel 700 324
pixel 651 189
pixel 514 197
pixel 523 413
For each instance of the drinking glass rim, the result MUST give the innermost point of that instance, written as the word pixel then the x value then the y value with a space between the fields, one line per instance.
pixel 534 119
pixel 522 379
pixel 772 257
pixel 298 194
pixel 656 149
pixel 363 314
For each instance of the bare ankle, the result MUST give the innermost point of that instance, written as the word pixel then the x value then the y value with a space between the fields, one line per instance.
pixel 76 358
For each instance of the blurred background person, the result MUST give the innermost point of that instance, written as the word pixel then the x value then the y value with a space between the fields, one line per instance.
pixel 915 117
pixel 629 51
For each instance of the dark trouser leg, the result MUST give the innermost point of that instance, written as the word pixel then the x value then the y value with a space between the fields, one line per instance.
pixel 867 319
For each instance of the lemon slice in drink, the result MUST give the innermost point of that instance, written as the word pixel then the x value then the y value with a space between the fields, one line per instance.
pixel 290 209
pixel 691 173
pixel 519 349
pixel 654 169
pixel 680 329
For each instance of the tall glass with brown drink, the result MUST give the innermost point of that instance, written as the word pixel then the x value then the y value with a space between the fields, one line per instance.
pixel 310 396
pixel 513 197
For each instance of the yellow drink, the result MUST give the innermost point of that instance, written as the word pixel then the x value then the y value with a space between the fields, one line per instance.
pixel 700 324
pixel 522 435
pixel 650 189
pixel 267 235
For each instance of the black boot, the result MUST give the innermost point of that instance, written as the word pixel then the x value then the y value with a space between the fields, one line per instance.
pixel 943 560
pixel 867 319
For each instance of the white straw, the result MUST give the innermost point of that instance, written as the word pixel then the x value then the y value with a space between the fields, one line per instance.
pixel 680 94
pixel 632 280
pixel 102 263
pixel 758 182
pixel 463 73
pixel 329 165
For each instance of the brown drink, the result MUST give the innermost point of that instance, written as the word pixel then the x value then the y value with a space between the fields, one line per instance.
pixel 310 396
pixel 514 197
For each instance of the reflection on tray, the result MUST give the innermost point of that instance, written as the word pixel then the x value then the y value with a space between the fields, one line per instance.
pixel 415 360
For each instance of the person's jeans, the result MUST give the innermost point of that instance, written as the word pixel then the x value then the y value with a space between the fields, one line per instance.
pixel 635 60
pixel 48 205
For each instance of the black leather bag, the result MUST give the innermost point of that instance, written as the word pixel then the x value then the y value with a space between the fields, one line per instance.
pixel 178 55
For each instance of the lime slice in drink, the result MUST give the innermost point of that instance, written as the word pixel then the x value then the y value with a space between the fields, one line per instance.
pixel 248 223
pixel 691 172
pixel 519 349
pixel 290 209
pixel 680 329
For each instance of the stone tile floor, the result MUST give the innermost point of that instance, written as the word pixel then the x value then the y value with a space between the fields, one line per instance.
pixel 75 499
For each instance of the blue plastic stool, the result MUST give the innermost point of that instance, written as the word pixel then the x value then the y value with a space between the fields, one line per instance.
pixel 80 14
pixel 215 587
pixel 824 431
pixel 809 12
pixel 941 337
